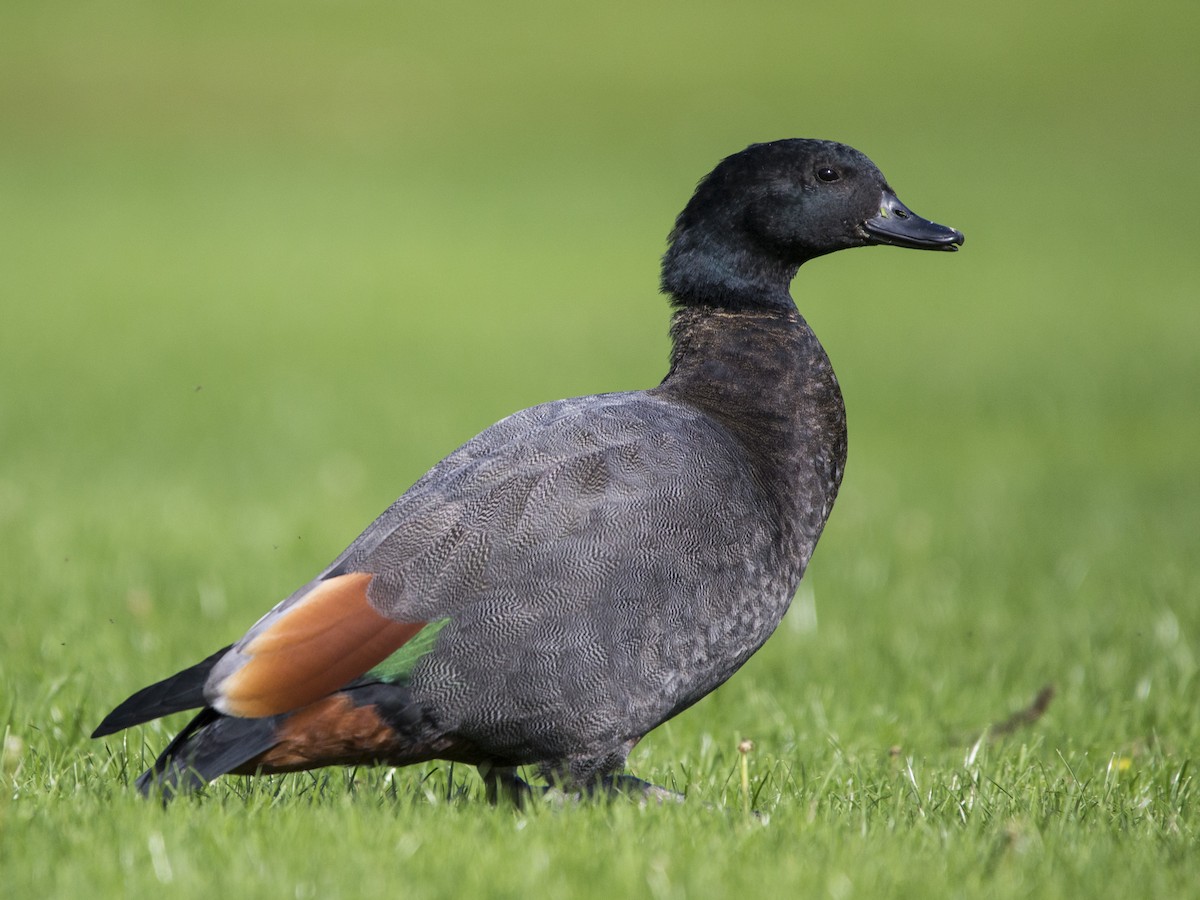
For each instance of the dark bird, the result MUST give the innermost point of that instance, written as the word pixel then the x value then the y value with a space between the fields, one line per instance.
pixel 583 570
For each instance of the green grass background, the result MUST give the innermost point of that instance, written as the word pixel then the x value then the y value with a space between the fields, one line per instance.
pixel 263 264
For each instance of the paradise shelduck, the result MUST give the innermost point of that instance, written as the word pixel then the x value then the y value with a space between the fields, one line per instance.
pixel 583 570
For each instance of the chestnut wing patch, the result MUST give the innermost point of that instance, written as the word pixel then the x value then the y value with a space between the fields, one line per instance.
pixel 308 650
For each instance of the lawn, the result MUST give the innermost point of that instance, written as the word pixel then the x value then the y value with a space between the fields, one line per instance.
pixel 264 265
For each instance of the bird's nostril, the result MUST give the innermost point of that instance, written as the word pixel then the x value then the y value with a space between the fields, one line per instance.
pixel 900 214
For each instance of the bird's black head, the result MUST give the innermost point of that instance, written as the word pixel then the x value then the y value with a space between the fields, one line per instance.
pixel 763 212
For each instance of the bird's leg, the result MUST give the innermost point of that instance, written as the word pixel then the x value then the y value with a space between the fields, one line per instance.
pixel 502 782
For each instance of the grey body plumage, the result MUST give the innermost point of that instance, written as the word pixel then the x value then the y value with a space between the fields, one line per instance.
pixel 607 561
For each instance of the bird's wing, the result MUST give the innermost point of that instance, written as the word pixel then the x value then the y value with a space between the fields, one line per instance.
pixel 556 507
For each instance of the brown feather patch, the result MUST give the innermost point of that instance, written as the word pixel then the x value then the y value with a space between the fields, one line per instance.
pixel 324 641
pixel 330 732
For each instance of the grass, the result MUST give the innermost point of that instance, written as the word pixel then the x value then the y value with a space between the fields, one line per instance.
pixel 262 270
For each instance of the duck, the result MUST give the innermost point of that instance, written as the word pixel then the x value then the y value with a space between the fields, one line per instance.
pixel 583 570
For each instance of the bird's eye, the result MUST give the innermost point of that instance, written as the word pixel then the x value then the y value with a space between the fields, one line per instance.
pixel 828 174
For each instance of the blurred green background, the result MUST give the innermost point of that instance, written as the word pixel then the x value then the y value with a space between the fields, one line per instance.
pixel 263 264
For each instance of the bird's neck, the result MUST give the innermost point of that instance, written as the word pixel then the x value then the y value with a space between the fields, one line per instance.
pixel 725 270
pixel 764 376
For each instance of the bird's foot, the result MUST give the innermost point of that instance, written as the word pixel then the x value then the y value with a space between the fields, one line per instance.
pixel 635 788
pixel 612 787
pixel 503 785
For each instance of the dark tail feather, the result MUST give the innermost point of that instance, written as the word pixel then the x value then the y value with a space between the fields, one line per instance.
pixel 210 745
pixel 365 724
pixel 183 690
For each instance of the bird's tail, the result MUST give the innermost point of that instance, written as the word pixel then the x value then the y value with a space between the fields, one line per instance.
pixel 366 723
pixel 183 690
pixel 210 745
